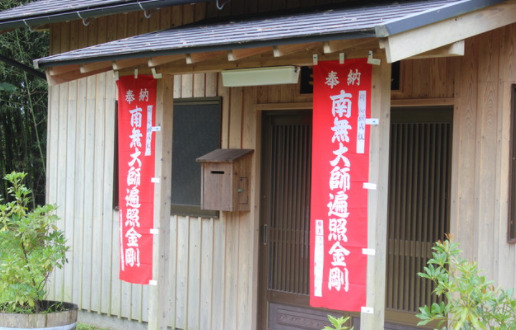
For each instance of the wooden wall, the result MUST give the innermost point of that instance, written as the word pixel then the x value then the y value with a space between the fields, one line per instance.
pixel 426 79
pixel 213 271
pixel 479 86
pixel 72 35
pixel 480 178
pixel 213 260
pixel 213 263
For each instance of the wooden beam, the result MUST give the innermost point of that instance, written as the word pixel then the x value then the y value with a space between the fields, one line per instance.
pixel 160 60
pixel 417 41
pixel 238 54
pixel 283 50
pixel 455 49
pixel 159 294
pixel 71 75
pixel 90 67
pixel 53 80
pixel 129 63
pixel 299 54
pixel 334 46
pixel 58 70
pixel 377 199
pixel 200 57
pixel 422 102
pixel 284 106
pixel 300 59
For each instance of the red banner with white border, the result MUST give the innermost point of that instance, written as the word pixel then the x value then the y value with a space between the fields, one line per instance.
pixel 136 145
pixel 340 168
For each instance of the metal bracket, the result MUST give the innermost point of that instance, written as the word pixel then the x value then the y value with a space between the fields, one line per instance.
pixel 315 59
pixel 155 74
pixel 372 121
pixel 367 310
pixel 264 234
pixel 369 186
pixel 342 58
pixel 371 60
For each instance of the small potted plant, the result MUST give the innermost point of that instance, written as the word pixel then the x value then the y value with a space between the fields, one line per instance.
pixel 31 247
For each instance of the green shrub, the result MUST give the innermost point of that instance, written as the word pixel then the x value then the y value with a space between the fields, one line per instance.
pixel 470 301
pixel 337 323
pixel 31 246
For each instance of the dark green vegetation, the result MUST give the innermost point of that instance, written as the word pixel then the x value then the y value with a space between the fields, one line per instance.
pixel 23 107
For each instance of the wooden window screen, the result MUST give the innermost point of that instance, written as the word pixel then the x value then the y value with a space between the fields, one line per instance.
pixel 288 173
pixel 196 132
pixel 419 184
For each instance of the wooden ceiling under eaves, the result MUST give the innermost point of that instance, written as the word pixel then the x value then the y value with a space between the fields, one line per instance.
pixel 294 54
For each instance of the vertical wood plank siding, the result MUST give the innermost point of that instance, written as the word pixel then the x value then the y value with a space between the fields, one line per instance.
pixel 213 264
pixel 480 174
pixel 213 270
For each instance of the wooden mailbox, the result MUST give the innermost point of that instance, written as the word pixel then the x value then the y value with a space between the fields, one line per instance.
pixel 225 175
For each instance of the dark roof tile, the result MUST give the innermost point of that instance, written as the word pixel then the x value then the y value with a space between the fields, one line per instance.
pixel 304 27
pixel 46 7
pixel 50 11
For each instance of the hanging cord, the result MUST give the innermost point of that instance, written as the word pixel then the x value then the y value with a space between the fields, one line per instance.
pixel 85 21
pixel 27 24
pixel 147 16
pixel 220 7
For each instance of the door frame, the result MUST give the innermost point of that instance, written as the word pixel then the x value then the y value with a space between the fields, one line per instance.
pixel 400 316
pixel 264 297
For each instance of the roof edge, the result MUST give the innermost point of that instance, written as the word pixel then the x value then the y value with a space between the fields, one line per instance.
pixel 34 21
pixel 47 62
pixel 432 16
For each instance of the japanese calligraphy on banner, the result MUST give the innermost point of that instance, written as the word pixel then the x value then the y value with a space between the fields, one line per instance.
pixel 340 167
pixel 136 116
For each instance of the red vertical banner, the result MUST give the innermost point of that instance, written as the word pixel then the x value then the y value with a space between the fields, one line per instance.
pixel 340 171
pixel 136 145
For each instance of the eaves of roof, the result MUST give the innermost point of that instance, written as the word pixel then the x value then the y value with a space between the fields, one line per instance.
pixel 448 10
pixel 344 23
pixel 44 12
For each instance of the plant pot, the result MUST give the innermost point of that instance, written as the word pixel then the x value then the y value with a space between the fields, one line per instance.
pixel 64 320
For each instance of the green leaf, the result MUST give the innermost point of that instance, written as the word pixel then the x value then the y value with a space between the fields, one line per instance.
pixel 7 87
pixel 472 301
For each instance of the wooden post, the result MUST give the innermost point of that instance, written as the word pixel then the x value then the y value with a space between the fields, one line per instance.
pixel 377 207
pixel 158 293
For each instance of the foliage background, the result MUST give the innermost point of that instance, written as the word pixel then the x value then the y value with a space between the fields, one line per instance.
pixel 23 108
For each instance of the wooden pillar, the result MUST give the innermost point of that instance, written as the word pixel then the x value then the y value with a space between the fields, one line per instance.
pixel 377 207
pixel 158 294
